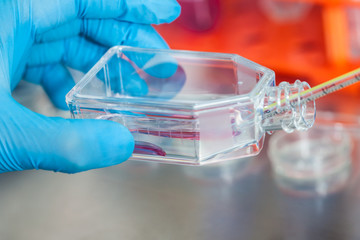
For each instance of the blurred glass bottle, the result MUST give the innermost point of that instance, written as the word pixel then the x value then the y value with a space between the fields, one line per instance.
pixel 199 15
pixel 353 14
pixel 285 11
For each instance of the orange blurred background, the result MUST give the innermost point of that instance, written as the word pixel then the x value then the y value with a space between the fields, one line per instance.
pixel 310 40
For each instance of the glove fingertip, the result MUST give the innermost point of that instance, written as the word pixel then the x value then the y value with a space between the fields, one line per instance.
pixel 167 12
pixel 89 144
pixel 114 143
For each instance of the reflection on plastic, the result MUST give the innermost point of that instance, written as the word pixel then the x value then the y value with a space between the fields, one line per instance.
pixel 316 162
pixel 163 76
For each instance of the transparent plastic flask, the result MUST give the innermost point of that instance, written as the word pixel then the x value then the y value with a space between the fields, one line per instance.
pixel 189 107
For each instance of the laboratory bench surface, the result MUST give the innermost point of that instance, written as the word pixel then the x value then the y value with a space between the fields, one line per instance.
pixel 140 200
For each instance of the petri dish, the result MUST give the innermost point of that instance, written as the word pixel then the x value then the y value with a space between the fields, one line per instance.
pixel 317 161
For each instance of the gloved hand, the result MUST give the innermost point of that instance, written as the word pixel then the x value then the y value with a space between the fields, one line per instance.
pixel 38 39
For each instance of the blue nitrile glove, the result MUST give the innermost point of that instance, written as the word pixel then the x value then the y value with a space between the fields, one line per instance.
pixel 38 39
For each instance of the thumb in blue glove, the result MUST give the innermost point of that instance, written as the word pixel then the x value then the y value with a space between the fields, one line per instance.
pixel 42 39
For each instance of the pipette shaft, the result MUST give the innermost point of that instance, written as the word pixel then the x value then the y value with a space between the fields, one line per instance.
pixel 330 86
pixel 316 92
